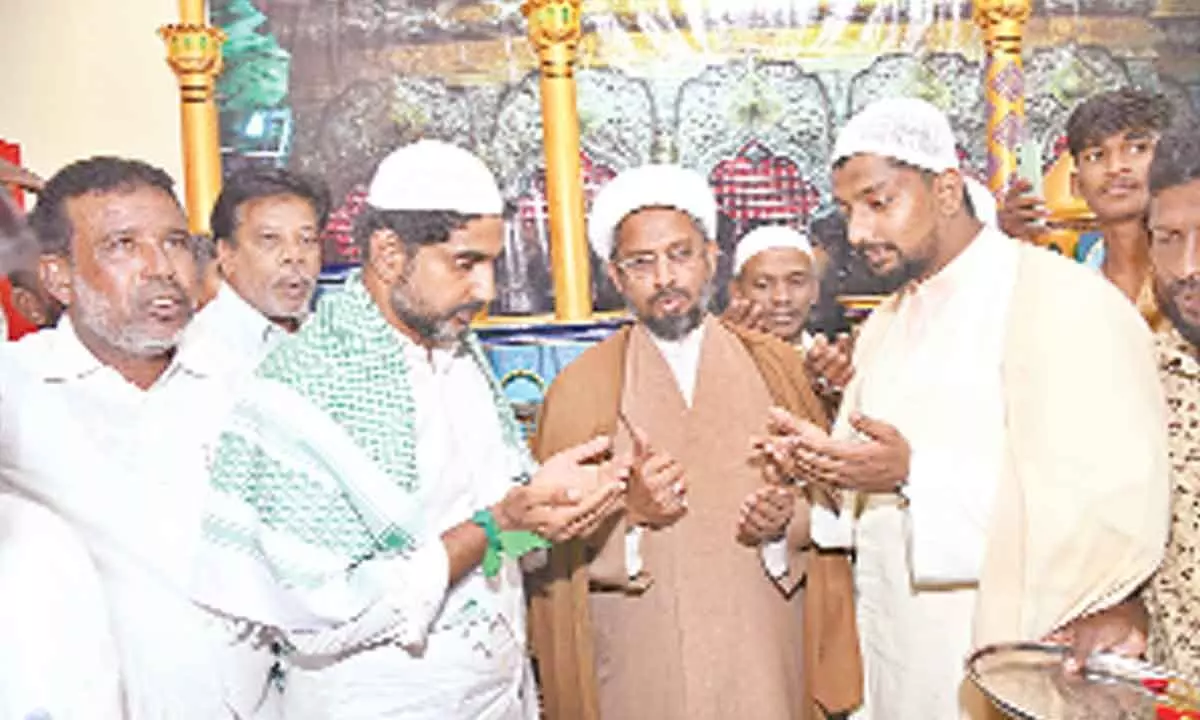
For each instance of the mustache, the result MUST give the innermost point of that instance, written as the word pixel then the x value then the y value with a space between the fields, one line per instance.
pixel 862 249
pixel 471 307
pixel 667 293
pixel 155 289
pixel 303 280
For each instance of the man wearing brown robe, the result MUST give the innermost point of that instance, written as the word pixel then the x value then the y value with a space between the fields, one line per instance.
pixel 688 603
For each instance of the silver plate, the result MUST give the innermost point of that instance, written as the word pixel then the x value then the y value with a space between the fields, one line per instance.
pixel 1027 681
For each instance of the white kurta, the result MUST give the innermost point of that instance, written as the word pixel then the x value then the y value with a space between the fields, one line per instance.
pixel 125 468
pixel 465 657
pixel 938 379
pixel 231 334
pixel 45 572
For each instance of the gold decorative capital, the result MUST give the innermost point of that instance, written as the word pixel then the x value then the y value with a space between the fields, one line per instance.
pixel 193 49
pixel 553 23
pixel 990 14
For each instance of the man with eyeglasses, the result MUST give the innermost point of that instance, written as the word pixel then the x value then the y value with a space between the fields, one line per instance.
pixel 687 604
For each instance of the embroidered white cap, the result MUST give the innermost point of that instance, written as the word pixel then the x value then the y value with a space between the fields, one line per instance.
pixel 649 186
pixel 435 175
pixel 916 133
pixel 907 129
pixel 769 237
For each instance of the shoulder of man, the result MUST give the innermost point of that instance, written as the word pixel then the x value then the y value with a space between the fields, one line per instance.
pixel 1056 290
pixel 783 370
pixel 598 368
pixel 582 400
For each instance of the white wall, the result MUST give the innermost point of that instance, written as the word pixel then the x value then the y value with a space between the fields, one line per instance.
pixel 88 77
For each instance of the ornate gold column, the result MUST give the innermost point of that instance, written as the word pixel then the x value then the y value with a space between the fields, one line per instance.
pixel 554 31
pixel 1003 25
pixel 194 53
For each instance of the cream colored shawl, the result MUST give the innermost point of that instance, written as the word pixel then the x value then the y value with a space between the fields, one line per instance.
pixel 1081 513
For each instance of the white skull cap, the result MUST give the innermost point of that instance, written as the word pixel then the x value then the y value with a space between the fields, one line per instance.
pixel 906 129
pixel 435 175
pixel 916 133
pixel 648 186
pixel 769 237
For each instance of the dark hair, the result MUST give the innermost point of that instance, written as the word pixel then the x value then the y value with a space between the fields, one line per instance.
pixel 414 227
pixel 254 183
pixel 94 175
pixel 1176 160
pixel 18 248
pixel 1116 111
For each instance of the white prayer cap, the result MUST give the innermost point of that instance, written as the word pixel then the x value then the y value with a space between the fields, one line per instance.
pixel 906 129
pixel 916 133
pixel 649 186
pixel 769 237
pixel 434 175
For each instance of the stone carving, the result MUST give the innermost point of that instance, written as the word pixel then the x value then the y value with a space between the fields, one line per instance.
pixel 779 105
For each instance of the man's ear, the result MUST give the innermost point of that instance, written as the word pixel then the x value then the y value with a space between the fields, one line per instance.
pixel 387 254
pixel 1075 183
pixel 54 272
pixel 949 188
pixel 225 253
pixel 614 275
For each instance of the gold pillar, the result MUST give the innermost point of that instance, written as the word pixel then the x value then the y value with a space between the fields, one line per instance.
pixel 554 32
pixel 194 53
pixel 1003 25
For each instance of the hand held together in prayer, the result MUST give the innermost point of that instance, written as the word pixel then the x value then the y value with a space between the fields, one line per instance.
pixel 746 313
pixel 765 514
pixel 569 496
pixel 878 462
pixel 657 495
pixel 831 363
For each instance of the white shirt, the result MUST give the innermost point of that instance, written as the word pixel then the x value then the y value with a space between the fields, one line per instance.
pixel 230 334
pixel 57 658
pixel 126 468
pixel 937 377
pixel 462 657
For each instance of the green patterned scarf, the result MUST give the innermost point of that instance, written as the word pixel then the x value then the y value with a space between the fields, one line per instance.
pixel 316 469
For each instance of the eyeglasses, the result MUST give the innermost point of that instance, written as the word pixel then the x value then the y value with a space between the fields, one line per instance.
pixel 643 265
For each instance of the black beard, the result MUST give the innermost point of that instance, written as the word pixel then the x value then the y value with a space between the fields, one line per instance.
pixel 434 328
pixel 1189 331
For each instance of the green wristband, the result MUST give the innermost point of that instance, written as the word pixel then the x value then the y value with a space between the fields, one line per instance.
pixel 511 543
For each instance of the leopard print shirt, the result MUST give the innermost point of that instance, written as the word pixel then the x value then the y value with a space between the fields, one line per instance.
pixel 1173 595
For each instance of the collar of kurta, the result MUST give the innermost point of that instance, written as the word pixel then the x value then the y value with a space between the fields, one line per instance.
pixel 230 307
pixel 960 272
pixel 67 358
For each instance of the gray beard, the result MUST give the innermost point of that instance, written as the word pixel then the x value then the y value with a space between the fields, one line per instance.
pixel 95 312
pixel 676 327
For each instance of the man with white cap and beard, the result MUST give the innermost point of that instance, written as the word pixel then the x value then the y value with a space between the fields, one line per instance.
pixel 992 494
pixel 776 278
pixel 373 493
pixel 686 604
